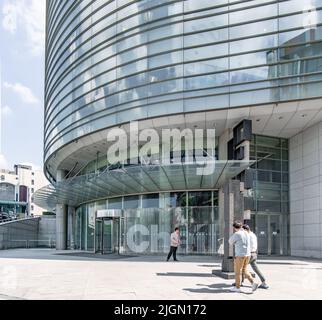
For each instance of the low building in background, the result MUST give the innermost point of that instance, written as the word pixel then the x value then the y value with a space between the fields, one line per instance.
pixel 16 191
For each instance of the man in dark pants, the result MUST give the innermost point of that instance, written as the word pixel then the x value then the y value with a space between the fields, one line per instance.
pixel 175 242
pixel 253 260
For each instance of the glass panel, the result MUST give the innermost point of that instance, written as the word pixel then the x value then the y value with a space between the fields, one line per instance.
pixel 203 231
pixel 131 202
pixel 275 232
pixel 151 201
pixel 200 199
pixel 107 236
pixel 90 227
pixel 178 199
pixel 115 204
pixel 262 234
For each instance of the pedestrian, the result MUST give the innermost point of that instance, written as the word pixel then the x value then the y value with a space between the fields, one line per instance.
pixel 254 256
pixel 241 241
pixel 175 242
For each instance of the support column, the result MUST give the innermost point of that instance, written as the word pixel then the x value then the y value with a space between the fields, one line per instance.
pixel 61 218
pixel 225 137
pixel 233 209
pixel 71 227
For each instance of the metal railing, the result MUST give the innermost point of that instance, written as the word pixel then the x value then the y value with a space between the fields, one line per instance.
pixel 16 219
pixel 9 220
pixel 27 244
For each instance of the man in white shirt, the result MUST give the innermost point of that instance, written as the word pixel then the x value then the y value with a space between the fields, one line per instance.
pixel 241 242
pixel 253 260
pixel 175 243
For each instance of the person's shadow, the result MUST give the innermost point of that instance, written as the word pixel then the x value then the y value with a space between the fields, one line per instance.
pixel 213 288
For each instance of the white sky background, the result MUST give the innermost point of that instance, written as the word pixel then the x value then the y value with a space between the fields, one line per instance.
pixel 22 48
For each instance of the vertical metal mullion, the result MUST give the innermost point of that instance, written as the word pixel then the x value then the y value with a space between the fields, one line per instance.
pixel 187 223
pixel 281 234
pixel 102 236
pixel 86 228
pixel 269 235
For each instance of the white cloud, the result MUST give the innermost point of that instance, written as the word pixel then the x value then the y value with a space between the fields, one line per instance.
pixel 9 21
pixel 3 162
pixel 5 111
pixel 25 93
pixel 27 17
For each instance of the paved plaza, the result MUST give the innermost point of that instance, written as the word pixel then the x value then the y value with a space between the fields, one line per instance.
pixel 52 275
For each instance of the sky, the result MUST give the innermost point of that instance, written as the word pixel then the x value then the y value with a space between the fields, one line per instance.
pixel 22 50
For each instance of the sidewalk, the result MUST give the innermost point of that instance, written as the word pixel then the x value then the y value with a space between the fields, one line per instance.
pixel 48 274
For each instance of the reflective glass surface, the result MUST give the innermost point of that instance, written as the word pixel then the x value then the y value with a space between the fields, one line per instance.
pixel 271 175
pixel 142 180
pixel 110 62
pixel 147 230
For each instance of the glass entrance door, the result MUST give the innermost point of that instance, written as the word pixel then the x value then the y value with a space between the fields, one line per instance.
pixel 108 236
pixel 269 233
pixel 262 234
pixel 275 234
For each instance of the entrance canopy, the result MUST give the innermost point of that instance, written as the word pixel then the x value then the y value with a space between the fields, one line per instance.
pixel 141 179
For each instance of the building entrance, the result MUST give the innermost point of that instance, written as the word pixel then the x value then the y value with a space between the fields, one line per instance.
pixel 108 236
pixel 269 233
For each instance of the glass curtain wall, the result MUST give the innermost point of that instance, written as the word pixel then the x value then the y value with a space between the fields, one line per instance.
pixel 111 62
pixel 149 220
pixel 269 200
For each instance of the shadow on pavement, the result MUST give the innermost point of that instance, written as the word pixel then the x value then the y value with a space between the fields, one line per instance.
pixel 182 274
pixel 280 263
pixel 210 265
pixel 207 290
pixel 215 288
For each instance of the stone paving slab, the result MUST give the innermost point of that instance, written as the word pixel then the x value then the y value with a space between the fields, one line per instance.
pixel 51 275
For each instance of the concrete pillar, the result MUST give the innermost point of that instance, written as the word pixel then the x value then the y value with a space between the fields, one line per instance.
pixel 233 209
pixel 61 218
pixel 225 137
pixel 61 227
pixel 71 227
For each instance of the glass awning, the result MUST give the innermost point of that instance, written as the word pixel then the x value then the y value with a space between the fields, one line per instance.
pixel 140 179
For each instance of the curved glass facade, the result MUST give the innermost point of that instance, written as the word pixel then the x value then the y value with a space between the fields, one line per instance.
pixel 147 221
pixel 110 62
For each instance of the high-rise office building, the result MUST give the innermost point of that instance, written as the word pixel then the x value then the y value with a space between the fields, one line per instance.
pixel 251 70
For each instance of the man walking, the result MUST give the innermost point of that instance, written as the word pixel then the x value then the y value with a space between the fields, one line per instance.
pixel 175 242
pixel 254 256
pixel 241 240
